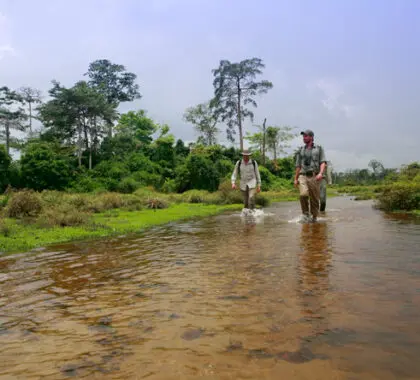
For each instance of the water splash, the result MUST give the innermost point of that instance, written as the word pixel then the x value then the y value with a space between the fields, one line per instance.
pixel 254 216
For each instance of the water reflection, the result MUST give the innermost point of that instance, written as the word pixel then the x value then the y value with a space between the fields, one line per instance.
pixel 220 298
pixel 314 265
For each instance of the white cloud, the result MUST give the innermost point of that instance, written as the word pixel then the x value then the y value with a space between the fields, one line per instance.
pixel 6 49
pixel 333 95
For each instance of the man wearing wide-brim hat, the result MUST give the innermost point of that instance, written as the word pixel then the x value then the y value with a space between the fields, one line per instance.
pixel 250 179
pixel 310 167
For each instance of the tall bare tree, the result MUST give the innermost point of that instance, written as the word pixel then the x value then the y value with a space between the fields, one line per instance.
pixel 30 96
pixel 234 89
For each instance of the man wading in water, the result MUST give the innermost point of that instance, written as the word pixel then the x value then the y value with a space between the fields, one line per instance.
pixel 310 168
pixel 250 179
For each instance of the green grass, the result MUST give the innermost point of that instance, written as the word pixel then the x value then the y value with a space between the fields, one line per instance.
pixel 68 217
pixel 21 236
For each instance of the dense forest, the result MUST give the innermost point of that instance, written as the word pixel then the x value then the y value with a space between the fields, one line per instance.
pixel 83 144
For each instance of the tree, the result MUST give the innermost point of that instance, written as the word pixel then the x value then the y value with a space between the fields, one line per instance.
pixel 46 166
pixel 137 125
pixel 258 140
pixel 377 168
pixel 77 116
pixel 235 88
pixel 12 116
pixel 30 96
pixel 277 138
pixel 204 119
pixel 5 161
pixel 113 82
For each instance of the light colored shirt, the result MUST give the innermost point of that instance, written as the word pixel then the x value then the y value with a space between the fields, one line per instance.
pixel 249 176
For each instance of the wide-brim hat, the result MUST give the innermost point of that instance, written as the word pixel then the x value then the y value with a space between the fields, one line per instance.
pixel 246 152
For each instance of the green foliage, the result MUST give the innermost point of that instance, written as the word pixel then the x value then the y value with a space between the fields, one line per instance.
pixel 137 125
pixel 113 81
pixel 169 186
pixel 112 170
pixel 201 173
pixel 128 185
pixel 224 167
pixel 5 162
pixel 204 119
pixel 85 183
pixel 45 166
pixel 139 162
pixel 267 178
pixel 144 178
pixel 400 196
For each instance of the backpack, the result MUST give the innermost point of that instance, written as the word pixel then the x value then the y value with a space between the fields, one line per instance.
pixel 253 164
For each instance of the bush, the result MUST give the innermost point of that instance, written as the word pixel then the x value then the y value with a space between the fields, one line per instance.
pixel 280 184
pixel 144 178
pixel 45 166
pixel 267 178
pixel 224 168
pixel 400 196
pixel 87 184
pixel 128 185
pixel 262 200
pixel 24 203
pixel 64 216
pixel 169 186
pixel 195 196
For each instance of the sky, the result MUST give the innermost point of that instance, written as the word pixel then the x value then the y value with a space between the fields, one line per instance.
pixel 348 70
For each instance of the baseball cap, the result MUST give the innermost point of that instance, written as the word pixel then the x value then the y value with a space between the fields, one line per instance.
pixel 307 132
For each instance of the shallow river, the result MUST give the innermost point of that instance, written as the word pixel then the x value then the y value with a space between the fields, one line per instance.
pixel 221 298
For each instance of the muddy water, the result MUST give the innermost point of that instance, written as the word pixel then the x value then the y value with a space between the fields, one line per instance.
pixel 221 298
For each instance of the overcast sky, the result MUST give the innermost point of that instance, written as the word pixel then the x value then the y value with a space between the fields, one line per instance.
pixel 348 69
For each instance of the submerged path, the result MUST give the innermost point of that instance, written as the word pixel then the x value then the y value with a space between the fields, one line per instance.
pixel 221 298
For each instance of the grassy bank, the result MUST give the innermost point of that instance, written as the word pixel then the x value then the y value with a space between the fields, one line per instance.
pixel 360 192
pixel 22 235
pixel 31 219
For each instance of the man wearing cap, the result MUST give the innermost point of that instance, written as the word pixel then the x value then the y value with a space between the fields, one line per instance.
pixel 310 170
pixel 250 182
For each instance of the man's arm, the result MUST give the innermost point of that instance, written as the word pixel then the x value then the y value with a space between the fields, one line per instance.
pixel 258 176
pixel 235 174
pixel 297 166
pixel 322 161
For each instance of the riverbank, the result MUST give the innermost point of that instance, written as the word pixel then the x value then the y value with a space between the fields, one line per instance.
pixel 22 236
pixel 31 220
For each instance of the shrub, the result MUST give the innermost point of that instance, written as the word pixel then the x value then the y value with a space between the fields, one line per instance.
pixel 400 196
pixel 87 184
pixel 169 186
pixel 262 200
pixel 145 178
pixel 195 196
pixel 108 201
pixel 156 203
pixel 280 184
pixel 224 167
pixel 266 178
pixel 24 203
pixel 64 216
pixel 128 185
